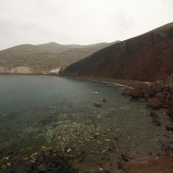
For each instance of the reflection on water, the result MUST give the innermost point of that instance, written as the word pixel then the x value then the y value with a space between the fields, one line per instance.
pixel 55 112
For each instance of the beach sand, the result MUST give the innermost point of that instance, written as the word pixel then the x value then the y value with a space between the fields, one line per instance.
pixel 122 82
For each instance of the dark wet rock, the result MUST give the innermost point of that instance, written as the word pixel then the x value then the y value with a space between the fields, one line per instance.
pixel 165 106
pixel 169 113
pixel 154 115
pixel 98 105
pixel 103 100
pixel 126 169
pixel 120 164
pixel 167 148
pixel 168 95
pixel 153 103
pixel 34 171
pixel 20 169
pixel 95 136
pixel 9 153
pixel 81 157
pixel 41 168
pixel 48 119
pixel 52 162
pixel 146 96
pixel 155 88
pixel 125 157
pixel 167 102
pixel 166 136
pixel 115 138
pixel 107 171
pixel 156 122
pixel 166 88
pixel 160 97
pixel 136 93
pixel 169 128
pixel 126 91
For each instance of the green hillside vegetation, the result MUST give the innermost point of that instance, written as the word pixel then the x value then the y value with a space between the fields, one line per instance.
pixel 45 57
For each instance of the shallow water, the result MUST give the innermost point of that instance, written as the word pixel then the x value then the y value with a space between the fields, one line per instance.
pixel 58 112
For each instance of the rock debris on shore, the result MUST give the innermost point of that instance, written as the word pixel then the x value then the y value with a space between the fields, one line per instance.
pixel 47 161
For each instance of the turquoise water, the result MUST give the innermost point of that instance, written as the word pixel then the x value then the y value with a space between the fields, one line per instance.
pixel 58 112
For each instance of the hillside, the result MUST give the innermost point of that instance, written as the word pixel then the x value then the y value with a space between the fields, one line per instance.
pixel 44 58
pixel 146 58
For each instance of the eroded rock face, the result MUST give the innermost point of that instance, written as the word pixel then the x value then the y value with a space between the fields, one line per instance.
pixel 146 58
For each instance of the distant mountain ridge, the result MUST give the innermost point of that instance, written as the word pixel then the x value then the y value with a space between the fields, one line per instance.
pixel 44 58
pixel 146 57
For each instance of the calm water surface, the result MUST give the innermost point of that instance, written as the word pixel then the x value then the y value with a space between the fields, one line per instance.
pixel 55 112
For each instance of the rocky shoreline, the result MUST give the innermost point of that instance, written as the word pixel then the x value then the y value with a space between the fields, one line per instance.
pixel 156 95
pixel 51 160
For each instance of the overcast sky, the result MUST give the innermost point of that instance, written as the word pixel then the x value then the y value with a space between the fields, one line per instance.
pixel 79 21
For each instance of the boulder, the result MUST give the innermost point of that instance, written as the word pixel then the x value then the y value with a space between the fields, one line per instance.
pixel 126 91
pixel 41 168
pixel 153 103
pixel 167 94
pixel 103 100
pixel 169 113
pixel 146 96
pixel 171 98
pixel 155 89
pixel 166 88
pixel 98 105
pixel 156 122
pixel 136 93
pixel 160 96
pixel 167 102
pixel 169 128
pixel 153 115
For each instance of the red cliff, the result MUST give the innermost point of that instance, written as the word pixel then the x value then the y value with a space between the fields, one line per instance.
pixel 146 58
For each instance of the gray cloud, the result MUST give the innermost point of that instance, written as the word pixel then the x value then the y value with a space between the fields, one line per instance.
pixel 79 22
pixel 168 3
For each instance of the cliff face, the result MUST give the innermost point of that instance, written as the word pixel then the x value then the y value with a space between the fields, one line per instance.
pixel 146 58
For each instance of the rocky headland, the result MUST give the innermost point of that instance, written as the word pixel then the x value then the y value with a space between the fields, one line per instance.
pixel 146 57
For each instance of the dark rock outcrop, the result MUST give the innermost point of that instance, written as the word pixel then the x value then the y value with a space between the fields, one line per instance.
pixel 147 57
pixel 153 103
pixel 158 94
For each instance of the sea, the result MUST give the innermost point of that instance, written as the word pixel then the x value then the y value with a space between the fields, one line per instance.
pixel 38 111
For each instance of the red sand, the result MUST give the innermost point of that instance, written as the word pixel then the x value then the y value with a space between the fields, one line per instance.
pixel 125 82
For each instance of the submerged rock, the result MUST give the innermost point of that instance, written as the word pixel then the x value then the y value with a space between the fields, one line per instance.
pixel 120 164
pixel 98 105
pixel 156 122
pixel 170 113
pixel 169 128
pixel 154 115
pixel 103 100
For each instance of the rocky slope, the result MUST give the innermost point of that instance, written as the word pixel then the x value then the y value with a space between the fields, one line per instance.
pixel 44 58
pixel 146 58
